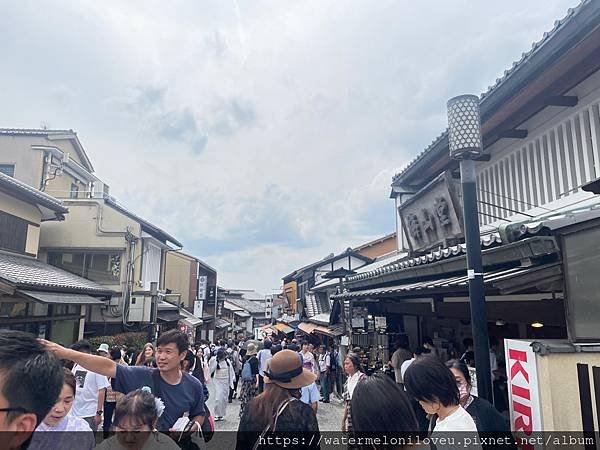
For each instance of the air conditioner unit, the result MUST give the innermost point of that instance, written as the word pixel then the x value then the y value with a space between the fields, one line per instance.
pixel 136 308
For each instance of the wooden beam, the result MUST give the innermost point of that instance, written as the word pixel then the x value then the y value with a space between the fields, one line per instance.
pixel 513 134
pixel 562 100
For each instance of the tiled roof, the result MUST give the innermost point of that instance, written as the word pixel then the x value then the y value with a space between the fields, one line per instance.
pixel 402 262
pixel 26 271
pixel 489 278
pixel 248 305
pixel 35 195
pixel 525 57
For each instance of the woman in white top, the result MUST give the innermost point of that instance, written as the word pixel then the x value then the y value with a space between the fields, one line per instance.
pixel 433 385
pixel 353 368
pixel 223 375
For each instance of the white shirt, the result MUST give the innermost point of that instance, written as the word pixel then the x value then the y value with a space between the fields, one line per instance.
pixel 263 358
pixel 459 421
pixel 324 362
pixel 86 398
pixel 353 381
pixel 405 365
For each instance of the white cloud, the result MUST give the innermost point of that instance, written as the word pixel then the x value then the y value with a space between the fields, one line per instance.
pixel 262 134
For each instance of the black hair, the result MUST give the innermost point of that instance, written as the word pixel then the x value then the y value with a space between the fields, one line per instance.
pixel 82 346
pixel 468 358
pixel 176 337
pixel 355 360
pixel 267 344
pixel 115 353
pixel 428 379
pixel 468 342
pixel 70 380
pixel 276 348
pixel 427 340
pixel 150 362
pixel 31 377
pixel 190 358
pixel 459 365
pixel 422 351
pixel 379 405
pixel 139 405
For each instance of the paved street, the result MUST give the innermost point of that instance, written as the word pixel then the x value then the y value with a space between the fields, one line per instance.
pixel 329 415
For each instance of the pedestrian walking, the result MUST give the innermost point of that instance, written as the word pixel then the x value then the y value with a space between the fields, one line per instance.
pixel 336 373
pixel 418 353
pixel 136 418
pixel 59 419
pixel 354 370
pixel 182 394
pixel 263 359
pixel 308 359
pixel 234 357
pixel 401 354
pixel 430 382
pixel 324 373
pixel 91 388
pixel 146 354
pixel 311 396
pixel 250 377
pixel 379 405
pixel 26 401
pixel 487 418
pixel 223 374
pixel 278 409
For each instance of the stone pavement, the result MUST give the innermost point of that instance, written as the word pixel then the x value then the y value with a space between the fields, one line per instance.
pixel 329 415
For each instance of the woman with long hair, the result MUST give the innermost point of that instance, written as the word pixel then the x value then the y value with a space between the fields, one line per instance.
pixel 59 419
pixel 354 370
pixel 278 408
pixel 147 352
pixel 223 375
pixel 380 405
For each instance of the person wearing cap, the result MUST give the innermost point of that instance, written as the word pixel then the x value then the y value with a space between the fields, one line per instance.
pixel 90 389
pixel 278 408
pixel 102 350
pixel 249 376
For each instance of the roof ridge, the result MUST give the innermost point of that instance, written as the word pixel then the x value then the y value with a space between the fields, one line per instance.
pixel 535 46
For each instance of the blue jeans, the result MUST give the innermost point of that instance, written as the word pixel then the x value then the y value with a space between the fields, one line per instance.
pixel 325 385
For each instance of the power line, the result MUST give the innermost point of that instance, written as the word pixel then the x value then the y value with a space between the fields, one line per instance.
pixel 516 200
pixel 503 207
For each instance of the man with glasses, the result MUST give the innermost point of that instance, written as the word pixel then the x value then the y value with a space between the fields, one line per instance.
pixel 31 379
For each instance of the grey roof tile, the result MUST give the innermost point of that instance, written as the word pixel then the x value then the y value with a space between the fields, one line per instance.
pixel 26 271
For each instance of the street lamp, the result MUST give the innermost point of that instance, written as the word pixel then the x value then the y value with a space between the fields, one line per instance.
pixel 464 137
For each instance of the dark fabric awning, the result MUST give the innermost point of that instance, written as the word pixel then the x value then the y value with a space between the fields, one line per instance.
pixel 60 298
pixel 504 280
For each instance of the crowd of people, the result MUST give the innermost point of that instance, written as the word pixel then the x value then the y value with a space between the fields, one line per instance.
pixel 157 399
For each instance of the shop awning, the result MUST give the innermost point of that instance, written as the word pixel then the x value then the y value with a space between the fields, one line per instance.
pixel 284 328
pixel 222 323
pixel 328 331
pixel 503 280
pixel 242 314
pixel 168 316
pixel 189 319
pixel 307 327
pixel 59 298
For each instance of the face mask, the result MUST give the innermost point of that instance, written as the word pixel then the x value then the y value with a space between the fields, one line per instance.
pixel 464 391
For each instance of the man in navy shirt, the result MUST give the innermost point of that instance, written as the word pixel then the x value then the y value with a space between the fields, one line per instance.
pixel 181 393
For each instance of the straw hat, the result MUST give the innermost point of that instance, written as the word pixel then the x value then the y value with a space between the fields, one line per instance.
pixel 251 349
pixel 286 371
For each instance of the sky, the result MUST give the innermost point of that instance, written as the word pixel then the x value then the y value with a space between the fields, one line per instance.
pixel 263 135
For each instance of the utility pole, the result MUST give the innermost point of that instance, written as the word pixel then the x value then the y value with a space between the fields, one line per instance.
pixel 153 330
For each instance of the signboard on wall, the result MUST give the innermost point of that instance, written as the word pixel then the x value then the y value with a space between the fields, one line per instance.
pixel 202 282
pixel 523 387
pixel 433 216
pixel 198 308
